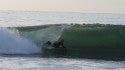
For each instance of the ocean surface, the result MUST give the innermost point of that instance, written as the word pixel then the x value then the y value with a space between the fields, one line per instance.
pixel 94 41
pixel 20 18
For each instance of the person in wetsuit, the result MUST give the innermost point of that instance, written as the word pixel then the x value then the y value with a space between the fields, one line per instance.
pixel 59 47
pixel 57 44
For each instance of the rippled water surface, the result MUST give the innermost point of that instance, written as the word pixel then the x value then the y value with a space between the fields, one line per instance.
pixel 39 63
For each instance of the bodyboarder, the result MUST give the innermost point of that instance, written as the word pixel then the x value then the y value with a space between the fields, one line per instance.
pixel 57 44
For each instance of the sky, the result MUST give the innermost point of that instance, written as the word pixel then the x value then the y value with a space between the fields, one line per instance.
pixel 86 6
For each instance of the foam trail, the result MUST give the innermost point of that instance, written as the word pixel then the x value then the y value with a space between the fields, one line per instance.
pixel 11 44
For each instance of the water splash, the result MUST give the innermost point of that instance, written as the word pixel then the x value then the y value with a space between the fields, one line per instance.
pixel 10 43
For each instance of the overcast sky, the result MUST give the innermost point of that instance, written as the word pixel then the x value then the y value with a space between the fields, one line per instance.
pixel 86 6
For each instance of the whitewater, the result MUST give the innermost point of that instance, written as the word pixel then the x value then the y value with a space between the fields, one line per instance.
pixel 23 35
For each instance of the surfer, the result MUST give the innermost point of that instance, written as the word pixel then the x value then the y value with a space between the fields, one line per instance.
pixel 57 44
pixel 48 42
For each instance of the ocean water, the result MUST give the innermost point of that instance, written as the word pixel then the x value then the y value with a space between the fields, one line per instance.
pixel 20 18
pixel 39 63
pixel 23 36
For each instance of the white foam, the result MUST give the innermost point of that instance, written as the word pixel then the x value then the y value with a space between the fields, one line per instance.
pixel 11 44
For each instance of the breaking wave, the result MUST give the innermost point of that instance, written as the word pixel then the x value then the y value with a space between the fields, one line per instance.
pixel 80 40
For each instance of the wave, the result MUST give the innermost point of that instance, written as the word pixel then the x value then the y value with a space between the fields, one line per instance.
pixel 80 40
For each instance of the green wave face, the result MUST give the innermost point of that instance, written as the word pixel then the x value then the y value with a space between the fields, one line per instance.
pixel 95 39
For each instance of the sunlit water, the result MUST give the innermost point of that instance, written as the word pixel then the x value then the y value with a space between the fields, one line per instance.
pixel 14 18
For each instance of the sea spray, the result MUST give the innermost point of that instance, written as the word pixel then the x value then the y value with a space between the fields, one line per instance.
pixel 10 43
